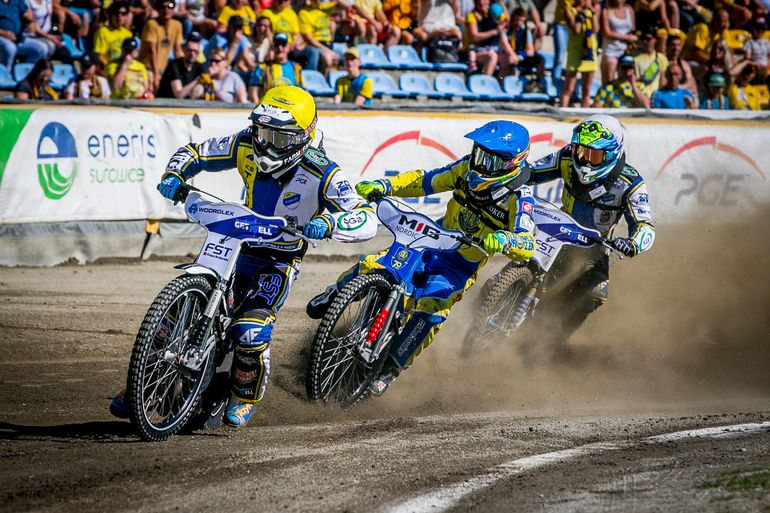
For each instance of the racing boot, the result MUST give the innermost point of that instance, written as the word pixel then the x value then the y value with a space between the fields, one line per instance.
pixel 317 306
pixel 238 412
pixel 119 406
pixel 384 380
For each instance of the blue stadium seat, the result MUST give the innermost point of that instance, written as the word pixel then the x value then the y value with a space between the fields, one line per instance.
pixel 340 49
pixel 418 84
pixel 549 93
pixel 335 75
pixel 75 51
pixel 405 57
pixel 512 86
pixel 21 70
pixel 487 88
pixel 372 56
pixel 449 66
pixel 548 59
pixel 315 83
pixel 6 80
pixel 61 76
pixel 382 83
pixel 452 85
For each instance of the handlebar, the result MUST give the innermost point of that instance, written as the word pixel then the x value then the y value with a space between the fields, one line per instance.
pixel 607 243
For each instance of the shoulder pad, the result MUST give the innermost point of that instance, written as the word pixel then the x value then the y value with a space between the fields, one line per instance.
pixel 630 173
pixel 316 161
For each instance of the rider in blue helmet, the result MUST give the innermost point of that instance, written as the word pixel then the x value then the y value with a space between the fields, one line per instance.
pixel 600 188
pixel 490 202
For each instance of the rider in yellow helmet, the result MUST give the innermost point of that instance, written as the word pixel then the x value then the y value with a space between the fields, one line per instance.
pixel 283 176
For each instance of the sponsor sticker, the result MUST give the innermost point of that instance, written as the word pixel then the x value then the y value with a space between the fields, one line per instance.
pixel 350 221
pixel 291 200
pixel 527 207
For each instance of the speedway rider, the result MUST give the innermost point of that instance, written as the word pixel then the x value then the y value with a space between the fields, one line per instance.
pixel 599 189
pixel 490 203
pixel 283 176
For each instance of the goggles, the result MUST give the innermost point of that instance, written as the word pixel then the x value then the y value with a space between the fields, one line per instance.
pixel 277 139
pixel 584 155
pixel 491 165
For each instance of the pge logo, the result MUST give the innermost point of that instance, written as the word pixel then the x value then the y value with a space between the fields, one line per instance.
pixel 56 147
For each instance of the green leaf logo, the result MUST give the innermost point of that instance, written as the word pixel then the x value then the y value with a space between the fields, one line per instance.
pixel 56 147
pixel 54 184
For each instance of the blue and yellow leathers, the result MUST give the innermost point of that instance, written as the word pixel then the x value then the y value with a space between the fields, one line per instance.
pixel 445 276
pixel 601 205
pixel 314 186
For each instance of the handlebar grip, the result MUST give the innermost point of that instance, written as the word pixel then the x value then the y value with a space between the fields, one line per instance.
pixel 182 192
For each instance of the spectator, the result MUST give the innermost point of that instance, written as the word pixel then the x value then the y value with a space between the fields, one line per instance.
pixel 626 91
pixel 618 26
pixel 757 49
pixel 42 23
pixel 285 21
pixel 66 18
pixel 672 95
pixel 128 76
pixel 483 36
pixel 402 17
pixel 316 29
pixel 722 61
pixel 581 51
pixel 715 98
pixel 182 74
pixel 222 84
pixel 651 14
pixel 241 9
pixel 521 50
pixel 108 39
pixel 531 12
pixel 232 41
pixel 690 13
pixel 376 24
pixel 742 95
pixel 354 87
pixel 278 71
pixel 37 84
pixel 88 84
pixel 560 36
pixel 159 37
pixel 674 56
pixel 14 17
pixel 260 50
pixel 437 19
pixel 650 64
pixel 701 38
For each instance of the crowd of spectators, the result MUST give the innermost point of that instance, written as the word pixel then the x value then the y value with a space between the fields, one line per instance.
pixel 683 54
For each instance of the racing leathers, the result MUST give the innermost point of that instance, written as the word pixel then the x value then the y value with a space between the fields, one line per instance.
pixel 313 188
pixel 600 206
pixel 445 276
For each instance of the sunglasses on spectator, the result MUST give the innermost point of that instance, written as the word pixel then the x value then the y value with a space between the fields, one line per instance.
pixel 216 60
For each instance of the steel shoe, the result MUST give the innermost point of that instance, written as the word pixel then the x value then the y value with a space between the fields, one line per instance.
pixel 238 412
pixel 381 384
pixel 317 306
pixel 119 406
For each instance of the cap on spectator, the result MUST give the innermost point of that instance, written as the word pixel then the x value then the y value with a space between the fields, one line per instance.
pixel 88 60
pixel 281 39
pixel 352 53
pixel 131 44
pixel 626 61
pixel 497 11
pixel 235 21
pixel 663 32
pixel 195 37
pixel 717 80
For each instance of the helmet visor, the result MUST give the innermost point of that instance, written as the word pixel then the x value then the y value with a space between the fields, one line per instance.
pixel 490 165
pixel 279 140
pixel 585 156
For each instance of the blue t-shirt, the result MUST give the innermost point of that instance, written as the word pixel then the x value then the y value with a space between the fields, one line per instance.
pixel 11 15
pixel 220 41
pixel 713 103
pixel 670 98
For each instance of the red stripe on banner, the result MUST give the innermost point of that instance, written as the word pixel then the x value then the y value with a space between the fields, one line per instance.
pixel 703 141
pixel 405 136
pixel 738 153
pixel 430 143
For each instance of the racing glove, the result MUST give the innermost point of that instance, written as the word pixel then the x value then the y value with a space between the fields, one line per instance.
pixel 518 246
pixel 497 242
pixel 371 191
pixel 318 228
pixel 169 186
pixel 625 246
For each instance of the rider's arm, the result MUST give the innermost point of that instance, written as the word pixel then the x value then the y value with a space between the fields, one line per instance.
pixel 216 154
pixel 636 210
pixel 424 183
pixel 350 218
pixel 523 226
pixel 547 168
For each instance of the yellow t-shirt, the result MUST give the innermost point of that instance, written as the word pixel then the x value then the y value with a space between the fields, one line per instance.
pixel 244 12
pixel 108 42
pixel 369 6
pixel 285 21
pixel 350 89
pixel 164 38
pixel 133 84
pixel 746 98
pixel 698 37
pixel 316 23
pixel 649 68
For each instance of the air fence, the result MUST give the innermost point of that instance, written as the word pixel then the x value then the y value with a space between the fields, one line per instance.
pixel 79 182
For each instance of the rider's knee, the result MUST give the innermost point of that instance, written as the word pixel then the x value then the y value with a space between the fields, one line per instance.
pixel 253 329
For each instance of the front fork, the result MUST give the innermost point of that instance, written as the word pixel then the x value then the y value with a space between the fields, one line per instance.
pixel 527 303
pixel 376 339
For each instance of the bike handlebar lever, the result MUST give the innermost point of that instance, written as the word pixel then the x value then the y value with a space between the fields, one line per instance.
pixel 296 231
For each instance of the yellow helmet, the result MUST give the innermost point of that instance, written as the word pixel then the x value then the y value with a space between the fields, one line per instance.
pixel 283 126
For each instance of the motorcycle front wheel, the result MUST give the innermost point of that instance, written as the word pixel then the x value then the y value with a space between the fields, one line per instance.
pixel 337 371
pixel 162 393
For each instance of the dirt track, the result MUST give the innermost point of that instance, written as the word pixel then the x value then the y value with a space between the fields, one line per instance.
pixel 683 343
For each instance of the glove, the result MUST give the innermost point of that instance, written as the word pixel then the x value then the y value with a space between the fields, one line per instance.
pixel 169 186
pixel 317 228
pixel 371 191
pixel 625 246
pixel 496 242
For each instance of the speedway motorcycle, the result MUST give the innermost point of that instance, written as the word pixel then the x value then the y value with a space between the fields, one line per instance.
pixel 180 363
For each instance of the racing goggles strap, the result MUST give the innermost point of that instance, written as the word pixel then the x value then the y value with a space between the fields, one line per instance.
pixel 585 155
pixel 280 140
pixel 491 165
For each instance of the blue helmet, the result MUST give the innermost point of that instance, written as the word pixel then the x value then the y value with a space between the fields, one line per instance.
pixel 597 145
pixel 499 154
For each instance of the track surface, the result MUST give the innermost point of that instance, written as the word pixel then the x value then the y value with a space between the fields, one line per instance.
pixel 682 344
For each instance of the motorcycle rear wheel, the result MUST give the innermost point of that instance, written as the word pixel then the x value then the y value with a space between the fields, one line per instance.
pixel 337 372
pixel 503 294
pixel 163 394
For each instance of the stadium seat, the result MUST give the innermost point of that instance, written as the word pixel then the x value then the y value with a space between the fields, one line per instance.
pixel 335 75
pixel 452 85
pixel 315 83
pixel 340 49
pixel 21 70
pixel 405 57
pixel 372 56
pixel 736 38
pixel 71 46
pixel 382 83
pixel 449 66
pixel 512 86
pixel 595 86
pixel 548 59
pixel 417 84
pixel 6 80
pixel 61 76
pixel 487 88
pixel 549 93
